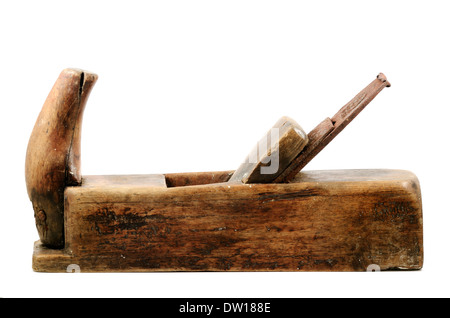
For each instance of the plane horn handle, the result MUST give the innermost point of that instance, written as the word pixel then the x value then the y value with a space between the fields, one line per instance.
pixel 53 153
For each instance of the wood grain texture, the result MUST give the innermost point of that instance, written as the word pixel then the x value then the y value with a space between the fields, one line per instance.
pixel 53 153
pixel 273 153
pixel 322 221
pixel 197 178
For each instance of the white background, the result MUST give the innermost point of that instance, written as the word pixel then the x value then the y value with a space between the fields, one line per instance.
pixel 192 85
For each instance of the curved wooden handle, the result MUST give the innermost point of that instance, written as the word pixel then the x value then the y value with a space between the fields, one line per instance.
pixel 53 153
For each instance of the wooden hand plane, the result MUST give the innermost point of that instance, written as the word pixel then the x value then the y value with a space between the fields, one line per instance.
pixel 234 220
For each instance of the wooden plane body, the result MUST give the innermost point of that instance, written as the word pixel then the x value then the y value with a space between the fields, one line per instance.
pixel 336 220
pixel 241 220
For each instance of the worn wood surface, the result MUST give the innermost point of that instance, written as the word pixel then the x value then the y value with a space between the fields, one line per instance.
pixel 328 129
pixel 340 220
pixel 197 178
pixel 273 153
pixel 53 153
